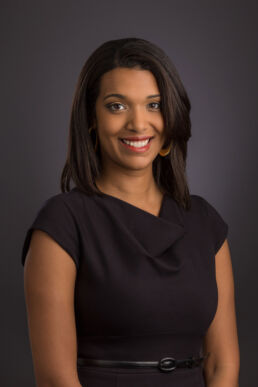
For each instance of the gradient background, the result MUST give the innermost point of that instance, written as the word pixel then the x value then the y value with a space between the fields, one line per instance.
pixel 44 46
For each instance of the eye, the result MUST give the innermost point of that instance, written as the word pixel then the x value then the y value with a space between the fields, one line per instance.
pixel 155 103
pixel 111 105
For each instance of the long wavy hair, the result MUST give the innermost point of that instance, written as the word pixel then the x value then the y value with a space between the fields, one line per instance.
pixel 83 163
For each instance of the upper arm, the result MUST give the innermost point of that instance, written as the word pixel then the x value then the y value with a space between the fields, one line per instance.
pixel 49 280
pixel 221 339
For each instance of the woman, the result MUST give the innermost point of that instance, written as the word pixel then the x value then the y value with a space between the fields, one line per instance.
pixel 128 277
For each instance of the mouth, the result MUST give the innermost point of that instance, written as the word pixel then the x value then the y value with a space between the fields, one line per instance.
pixel 137 143
pixel 136 138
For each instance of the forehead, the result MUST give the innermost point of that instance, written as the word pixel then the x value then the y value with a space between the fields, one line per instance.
pixel 128 81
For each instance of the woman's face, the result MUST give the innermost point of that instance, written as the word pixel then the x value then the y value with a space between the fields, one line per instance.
pixel 133 114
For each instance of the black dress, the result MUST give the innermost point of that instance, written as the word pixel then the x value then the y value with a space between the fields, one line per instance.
pixel 145 286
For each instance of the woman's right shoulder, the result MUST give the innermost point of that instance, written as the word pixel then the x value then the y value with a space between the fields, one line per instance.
pixel 74 200
pixel 60 216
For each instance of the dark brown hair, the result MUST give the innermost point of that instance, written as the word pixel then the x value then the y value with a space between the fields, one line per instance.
pixel 83 164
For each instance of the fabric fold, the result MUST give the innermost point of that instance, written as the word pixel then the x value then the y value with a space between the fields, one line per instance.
pixel 153 235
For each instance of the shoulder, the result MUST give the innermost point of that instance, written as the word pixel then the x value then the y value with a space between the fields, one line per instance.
pixel 58 216
pixel 213 219
pixel 197 201
pixel 206 206
pixel 199 206
pixel 206 209
pixel 64 202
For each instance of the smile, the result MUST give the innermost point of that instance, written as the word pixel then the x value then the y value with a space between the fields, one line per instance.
pixel 137 146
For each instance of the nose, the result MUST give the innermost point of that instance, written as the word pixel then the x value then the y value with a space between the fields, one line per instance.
pixel 137 120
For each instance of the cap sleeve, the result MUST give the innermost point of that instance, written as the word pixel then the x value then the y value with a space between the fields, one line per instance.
pixel 56 218
pixel 218 227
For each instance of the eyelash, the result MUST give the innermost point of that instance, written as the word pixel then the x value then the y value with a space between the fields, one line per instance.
pixel 117 103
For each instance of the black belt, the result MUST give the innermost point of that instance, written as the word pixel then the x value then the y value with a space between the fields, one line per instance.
pixel 166 364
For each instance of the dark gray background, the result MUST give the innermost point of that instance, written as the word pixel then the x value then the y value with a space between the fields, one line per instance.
pixel 45 44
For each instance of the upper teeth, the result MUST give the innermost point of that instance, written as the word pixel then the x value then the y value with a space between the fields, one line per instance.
pixel 137 144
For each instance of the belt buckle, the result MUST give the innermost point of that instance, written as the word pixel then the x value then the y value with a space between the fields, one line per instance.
pixel 167 364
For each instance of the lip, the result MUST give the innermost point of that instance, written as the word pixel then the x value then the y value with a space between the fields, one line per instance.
pixel 134 149
pixel 136 138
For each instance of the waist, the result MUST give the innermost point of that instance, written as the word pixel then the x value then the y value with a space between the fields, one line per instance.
pixel 166 364
pixel 139 347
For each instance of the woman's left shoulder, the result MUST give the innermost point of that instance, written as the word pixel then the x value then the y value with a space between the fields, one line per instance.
pixel 206 206
pixel 214 219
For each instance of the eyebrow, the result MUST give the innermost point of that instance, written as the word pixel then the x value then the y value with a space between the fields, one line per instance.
pixel 124 97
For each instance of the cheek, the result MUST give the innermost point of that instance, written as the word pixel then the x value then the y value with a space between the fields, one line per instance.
pixel 105 120
pixel 111 124
pixel 108 134
pixel 160 132
pixel 158 123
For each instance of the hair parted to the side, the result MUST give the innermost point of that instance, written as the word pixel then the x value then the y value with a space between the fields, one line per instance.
pixel 83 164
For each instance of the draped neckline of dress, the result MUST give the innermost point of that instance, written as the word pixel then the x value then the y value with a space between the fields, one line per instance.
pixel 153 235
pixel 139 208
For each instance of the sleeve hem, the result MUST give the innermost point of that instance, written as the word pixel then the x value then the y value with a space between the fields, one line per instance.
pixel 222 240
pixel 54 237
